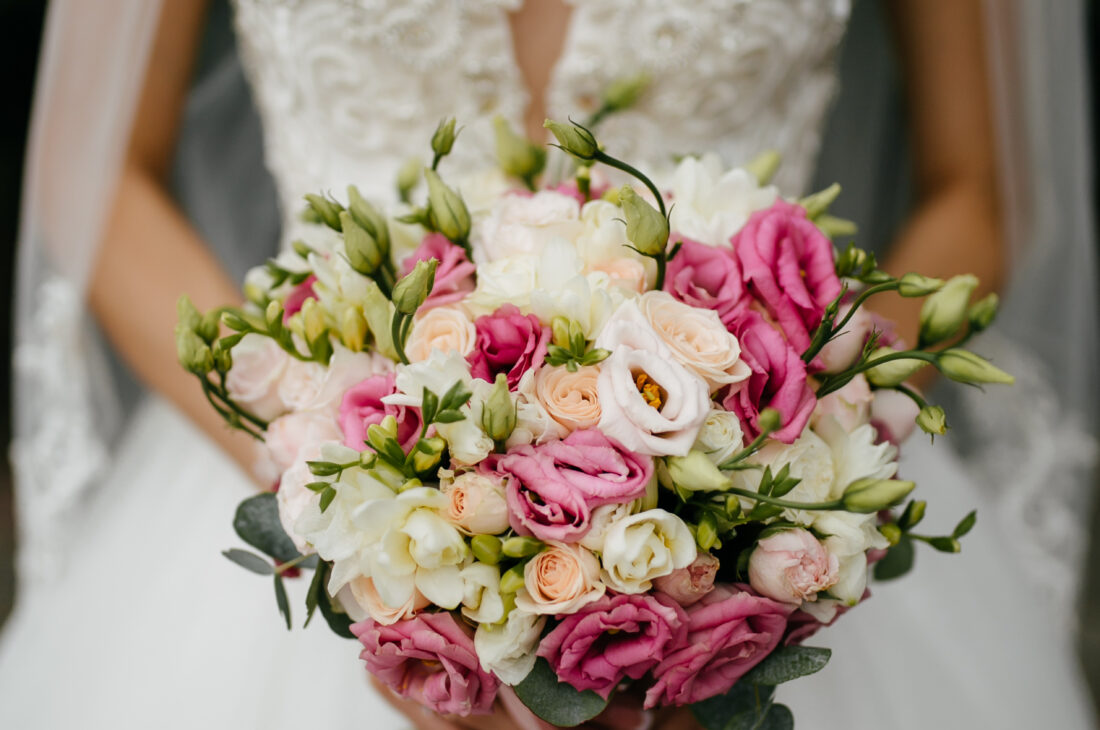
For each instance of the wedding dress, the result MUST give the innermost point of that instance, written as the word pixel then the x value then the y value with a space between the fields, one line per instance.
pixel 128 617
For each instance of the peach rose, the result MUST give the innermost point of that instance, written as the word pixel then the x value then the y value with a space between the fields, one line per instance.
pixel 476 503
pixel 571 399
pixel 443 328
pixel 366 598
pixel 628 274
pixel 697 339
pixel 560 579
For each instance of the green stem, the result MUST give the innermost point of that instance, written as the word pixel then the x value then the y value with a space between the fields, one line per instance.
pixel 661 265
pixel 284 567
pixel 838 381
pixel 395 333
pixel 226 413
pixel 745 452
pixel 866 294
pixel 223 393
pixel 913 395
pixel 598 116
pixel 610 161
pixel 835 505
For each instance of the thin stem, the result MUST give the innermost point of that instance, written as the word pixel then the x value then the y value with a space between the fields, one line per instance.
pixel 835 505
pixel 839 380
pixel 745 452
pixel 223 393
pixel 225 413
pixel 913 395
pixel 288 565
pixel 661 266
pixel 395 333
pixel 610 161
pixel 866 294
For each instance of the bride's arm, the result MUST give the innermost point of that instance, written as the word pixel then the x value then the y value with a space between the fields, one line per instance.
pixel 150 254
pixel 955 227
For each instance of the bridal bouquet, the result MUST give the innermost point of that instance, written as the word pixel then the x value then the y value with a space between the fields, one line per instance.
pixel 582 440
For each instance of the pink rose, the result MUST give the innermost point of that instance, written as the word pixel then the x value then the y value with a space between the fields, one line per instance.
pixel 362 407
pixel 707 277
pixel 792 566
pixel 453 276
pixel 553 487
pixel 298 296
pixel 730 631
pixel 615 637
pixel 778 381
pixel 687 586
pixel 508 342
pixel 788 264
pixel 429 659
pixel 894 416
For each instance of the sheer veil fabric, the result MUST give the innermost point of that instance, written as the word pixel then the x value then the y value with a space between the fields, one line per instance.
pixel 1036 451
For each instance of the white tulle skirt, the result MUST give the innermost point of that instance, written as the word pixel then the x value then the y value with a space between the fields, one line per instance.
pixel 150 627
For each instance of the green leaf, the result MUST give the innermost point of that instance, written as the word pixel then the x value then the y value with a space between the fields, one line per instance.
pixel 557 702
pixel 965 525
pixel 779 717
pixel 323 468
pixel 781 488
pixel 257 523
pixel 281 599
pixel 449 416
pixel 429 404
pixel 787 663
pixel 316 586
pixel 317 486
pixel 945 544
pixel 338 621
pixel 742 708
pixel 249 561
pixel 455 397
pixel 327 496
pixel 898 561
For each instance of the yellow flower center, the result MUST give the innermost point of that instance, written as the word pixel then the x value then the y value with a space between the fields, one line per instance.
pixel 653 394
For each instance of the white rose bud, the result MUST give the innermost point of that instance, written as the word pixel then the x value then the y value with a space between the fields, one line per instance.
pixel 645 546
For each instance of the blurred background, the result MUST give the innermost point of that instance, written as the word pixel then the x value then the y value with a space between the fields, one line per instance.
pixel 869 104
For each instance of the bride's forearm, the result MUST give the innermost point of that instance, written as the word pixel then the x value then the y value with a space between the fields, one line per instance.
pixel 150 255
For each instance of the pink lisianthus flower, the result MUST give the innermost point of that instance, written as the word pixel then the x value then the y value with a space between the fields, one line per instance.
pixel 792 566
pixel 552 488
pixel 362 407
pixel 778 381
pixel 788 265
pixel 454 276
pixel 707 277
pixel 508 342
pixel 614 638
pixel 298 296
pixel 730 631
pixel 687 586
pixel 429 659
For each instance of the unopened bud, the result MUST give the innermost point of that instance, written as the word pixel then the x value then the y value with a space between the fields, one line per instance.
pixel 819 202
pixel 444 138
pixel 412 289
pixel 302 249
pixel 512 579
pixel 891 532
pixel 327 210
pixel 623 93
pixel 208 326
pixel 964 366
pixel 187 316
pixel 893 373
pixel 932 420
pixel 764 166
pixel 194 354
pixel 769 420
pixel 706 532
pixel 984 311
pixel 870 495
pixel 834 227
pixel 944 312
pixel 915 285
pixel 574 139
pixel 696 473
pixel 521 547
pixel 313 320
pixel 364 253
pixel 353 329
pixel 235 322
pixel 517 155
pixel 646 228
pixel 446 209
pixel 559 328
pixel 486 548
pixel 273 315
pixel 428 454
pixel 854 262
pixel 408 177
pixel 498 415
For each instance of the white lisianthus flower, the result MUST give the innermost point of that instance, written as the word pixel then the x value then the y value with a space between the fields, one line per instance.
pixel 519 225
pixel 712 205
pixel 720 436
pixel 563 290
pixel 649 402
pixel 503 281
pixel 481 599
pixel 641 547
pixel 508 650
pixel 601 519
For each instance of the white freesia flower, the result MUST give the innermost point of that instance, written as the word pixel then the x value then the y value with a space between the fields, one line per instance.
pixel 641 547
pixel 712 205
pixel 519 225
pixel 720 436
pixel 508 650
pixel 481 599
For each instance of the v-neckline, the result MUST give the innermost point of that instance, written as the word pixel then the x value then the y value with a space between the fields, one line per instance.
pixel 530 97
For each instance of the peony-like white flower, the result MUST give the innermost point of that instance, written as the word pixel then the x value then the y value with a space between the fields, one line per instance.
pixel 481 599
pixel 312 386
pixel 253 381
pixel 720 436
pixel 696 338
pixel 712 205
pixel 288 436
pixel 444 328
pixel 810 460
pixel 644 546
pixel 506 280
pixel 601 519
pixel 563 290
pixel 650 403
pixel 508 650
pixel 850 405
pixel 522 225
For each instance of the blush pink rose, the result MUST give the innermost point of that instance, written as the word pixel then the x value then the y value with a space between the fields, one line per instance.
pixel 687 586
pixel 707 277
pixel 788 265
pixel 778 381
pixel 362 407
pixel 614 638
pixel 429 659
pixel 552 488
pixel 287 436
pixel 792 566
pixel 454 276
pixel 730 631
pixel 508 342
pixel 894 416
pixel 298 296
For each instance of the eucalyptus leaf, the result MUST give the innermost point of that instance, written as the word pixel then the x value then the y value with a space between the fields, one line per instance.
pixel 249 561
pixel 557 702
pixel 965 525
pixel 257 523
pixel 281 599
pixel 315 587
pixel 338 621
pixel 779 717
pixel 897 562
pixel 787 663
pixel 744 706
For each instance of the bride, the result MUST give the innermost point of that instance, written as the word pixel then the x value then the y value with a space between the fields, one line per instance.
pixel 128 617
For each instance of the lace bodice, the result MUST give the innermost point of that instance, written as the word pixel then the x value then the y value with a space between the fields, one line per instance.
pixel 350 89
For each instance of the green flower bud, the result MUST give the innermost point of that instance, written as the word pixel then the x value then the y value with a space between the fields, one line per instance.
pixel 314 320
pixel 819 202
pixel 834 227
pixel 764 166
pixel 706 532
pixel 559 328
pixel 869 495
pixel 235 322
pixel 187 316
pixel 208 328
pixel 302 249
pixel 194 354
pixel 411 290
pixel 446 209
pixel 915 285
pixel 945 311
pixel 521 547
pixel 353 329
pixel 933 420
pixel 223 358
pixel 623 93
pixel 646 228
pixel 512 579
pixel 428 454
pixel 769 420
pixel 378 311
pixel 891 532
pixel 498 415
pixel 853 261
pixel 574 139
pixel 364 253
pixel 327 210
pixel 516 155
pixel 273 315
pixel 444 138
pixel 408 177
pixel 894 373
pixel 984 311
pixel 486 548
pixel 696 473
pixel 914 513
pixel 963 366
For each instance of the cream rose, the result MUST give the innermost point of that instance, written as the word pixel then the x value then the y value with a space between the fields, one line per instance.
pixel 721 436
pixel 476 503
pixel 444 328
pixel 521 225
pixel 508 650
pixel 560 579
pixel 641 547
pixel 253 381
pixel 571 398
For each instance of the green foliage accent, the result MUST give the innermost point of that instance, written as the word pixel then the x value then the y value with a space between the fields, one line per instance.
pixel 338 621
pixel 743 707
pixel 557 702
pixel 898 561
pixel 257 523
pixel 965 525
pixel 316 587
pixel 249 561
pixel 281 599
pixel 787 663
